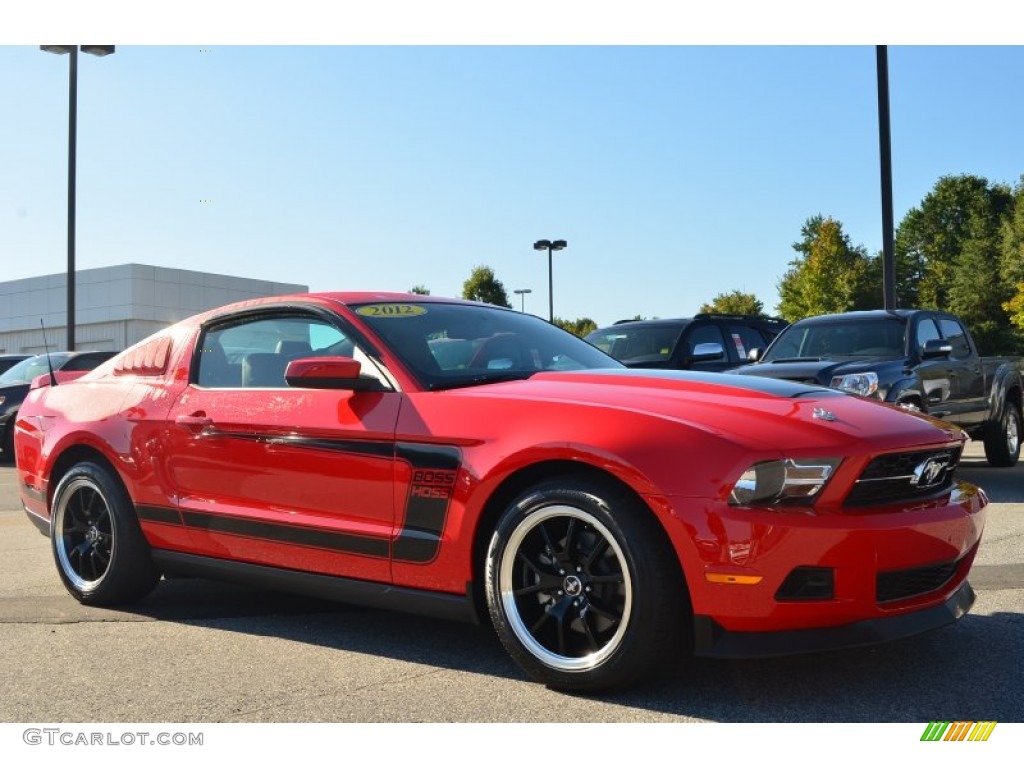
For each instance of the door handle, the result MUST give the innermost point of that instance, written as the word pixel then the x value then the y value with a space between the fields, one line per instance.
pixel 194 422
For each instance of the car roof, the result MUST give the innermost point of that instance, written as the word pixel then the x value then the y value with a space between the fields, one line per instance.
pixel 680 322
pixel 868 314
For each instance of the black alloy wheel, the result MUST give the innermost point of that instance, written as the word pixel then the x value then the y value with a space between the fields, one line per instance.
pixel 101 554
pixel 583 588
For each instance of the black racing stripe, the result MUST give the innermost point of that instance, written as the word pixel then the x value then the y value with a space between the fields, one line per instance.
pixel 365 447
pixel 288 534
pixel 425 514
pixel 158 514
pixel 385 448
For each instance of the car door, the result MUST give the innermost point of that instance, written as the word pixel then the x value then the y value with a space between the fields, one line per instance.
pixel 935 374
pixel 968 380
pixel 284 476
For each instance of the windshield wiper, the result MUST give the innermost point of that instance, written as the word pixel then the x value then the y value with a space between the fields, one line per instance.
pixel 483 378
pixel 794 360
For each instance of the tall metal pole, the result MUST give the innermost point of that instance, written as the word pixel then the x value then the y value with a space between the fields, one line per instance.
pixel 72 142
pixel 885 150
pixel 551 290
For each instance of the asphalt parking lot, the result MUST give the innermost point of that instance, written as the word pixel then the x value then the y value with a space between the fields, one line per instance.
pixel 196 651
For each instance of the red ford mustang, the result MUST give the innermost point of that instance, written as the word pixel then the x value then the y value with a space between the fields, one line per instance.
pixel 461 460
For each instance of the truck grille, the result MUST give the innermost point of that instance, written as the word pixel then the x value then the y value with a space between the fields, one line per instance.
pixel 899 477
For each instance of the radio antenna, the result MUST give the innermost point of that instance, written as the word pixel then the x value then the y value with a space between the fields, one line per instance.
pixel 49 363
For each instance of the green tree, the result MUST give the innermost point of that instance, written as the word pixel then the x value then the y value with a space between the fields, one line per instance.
pixel 1011 267
pixel 1015 307
pixel 735 303
pixel 955 231
pixel 1011 258
pixel 581 326
pixel 828 274
pixel 482 285
pixel 420 289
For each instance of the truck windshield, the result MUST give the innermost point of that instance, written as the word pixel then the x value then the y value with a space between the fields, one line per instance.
pixel 884 337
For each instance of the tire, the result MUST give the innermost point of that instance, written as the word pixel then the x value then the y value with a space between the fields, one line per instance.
pixel 583 588
pixel 1002 438
pixel 101 555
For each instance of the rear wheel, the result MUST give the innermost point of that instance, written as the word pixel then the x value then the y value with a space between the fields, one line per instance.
pixel 101 554
pixel 583 588
pixel 1002 439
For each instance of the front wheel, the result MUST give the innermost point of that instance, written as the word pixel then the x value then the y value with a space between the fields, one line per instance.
pixel 583 588
pixel 1002 439
pixel 101 554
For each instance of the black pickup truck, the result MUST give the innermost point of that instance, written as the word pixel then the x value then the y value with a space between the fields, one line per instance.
pixel 918 359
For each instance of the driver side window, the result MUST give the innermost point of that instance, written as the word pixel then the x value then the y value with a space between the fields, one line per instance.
pixel 926 331
pixel 254 353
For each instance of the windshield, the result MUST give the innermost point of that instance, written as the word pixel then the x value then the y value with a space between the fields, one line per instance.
pixel 882 337
pixel 637 344
pixel 26 370
pixel 458 345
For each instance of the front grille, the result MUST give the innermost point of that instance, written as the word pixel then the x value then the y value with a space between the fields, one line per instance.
pixel 900 585
pixel 898 477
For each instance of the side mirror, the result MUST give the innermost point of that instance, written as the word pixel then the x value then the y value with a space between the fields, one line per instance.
pixel 934 348
pixel 754 354
pixel 709 350
pixel 327 373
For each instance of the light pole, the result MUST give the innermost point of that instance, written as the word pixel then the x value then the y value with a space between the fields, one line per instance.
pixel 885 155
pixel 522 295
pixel 95 50
pixel 549 246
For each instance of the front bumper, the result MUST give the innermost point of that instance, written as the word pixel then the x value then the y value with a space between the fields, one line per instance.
pixel 753 573
pixel 712 641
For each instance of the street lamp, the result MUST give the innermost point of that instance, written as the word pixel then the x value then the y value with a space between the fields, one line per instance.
pixel 95 50
pixel 522 295
pixel 549 246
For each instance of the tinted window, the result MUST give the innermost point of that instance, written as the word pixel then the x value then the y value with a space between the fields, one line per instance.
pixel 742 339
pixel 26 370
pixel 954 333
pixel 637 344
pixel 926 331
pixel 255 352
pixel 882 337
pixel 704 334
pixel 86 362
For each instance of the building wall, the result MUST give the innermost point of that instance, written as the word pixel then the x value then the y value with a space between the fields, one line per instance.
pixel 116 306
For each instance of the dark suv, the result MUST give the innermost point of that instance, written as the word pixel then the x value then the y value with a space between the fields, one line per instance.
pixel 702 343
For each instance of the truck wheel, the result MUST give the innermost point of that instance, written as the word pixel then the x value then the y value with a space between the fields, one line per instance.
pixel 1002 439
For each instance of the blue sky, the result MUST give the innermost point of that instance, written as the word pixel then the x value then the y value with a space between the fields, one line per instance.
pixel 675 172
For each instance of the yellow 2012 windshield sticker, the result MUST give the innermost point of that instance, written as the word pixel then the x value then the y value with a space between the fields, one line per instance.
pixel 391 310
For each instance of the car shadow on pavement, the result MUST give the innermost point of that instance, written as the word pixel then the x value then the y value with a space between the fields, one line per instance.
pixel 970 671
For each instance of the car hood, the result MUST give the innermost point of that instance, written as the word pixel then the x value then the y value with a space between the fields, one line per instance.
pixel 762 413
pixel 818 371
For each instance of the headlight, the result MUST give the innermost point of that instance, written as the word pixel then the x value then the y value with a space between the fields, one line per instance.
pixel 2 398
pixel 787 481
pixel 863 384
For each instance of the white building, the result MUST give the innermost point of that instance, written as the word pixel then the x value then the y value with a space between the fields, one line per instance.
pixel 116 306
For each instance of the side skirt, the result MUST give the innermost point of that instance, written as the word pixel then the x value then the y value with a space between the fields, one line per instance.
pixel 440 605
